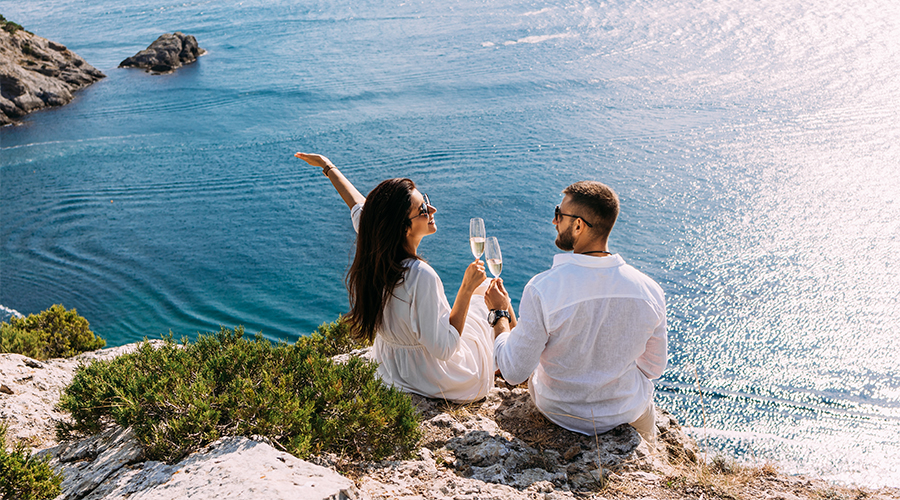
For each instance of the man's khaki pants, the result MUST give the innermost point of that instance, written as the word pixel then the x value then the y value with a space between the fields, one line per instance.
pixel 646 424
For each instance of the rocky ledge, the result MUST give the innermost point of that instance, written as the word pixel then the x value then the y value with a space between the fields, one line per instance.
pixel 36 73
pixel 166 54
pixel 498 448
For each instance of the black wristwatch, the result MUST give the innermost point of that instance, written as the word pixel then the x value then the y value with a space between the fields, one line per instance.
pixel 495 315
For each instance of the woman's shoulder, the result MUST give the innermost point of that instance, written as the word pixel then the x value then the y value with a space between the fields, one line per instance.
pixel 419 269
pixel 355 214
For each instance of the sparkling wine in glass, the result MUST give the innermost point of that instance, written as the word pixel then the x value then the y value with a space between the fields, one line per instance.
pixel 476 237
pixel 492 256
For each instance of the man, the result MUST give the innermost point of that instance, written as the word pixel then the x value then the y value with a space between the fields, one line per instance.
pixel 591 331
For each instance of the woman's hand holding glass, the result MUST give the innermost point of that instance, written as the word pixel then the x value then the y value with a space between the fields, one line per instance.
pixel 474 276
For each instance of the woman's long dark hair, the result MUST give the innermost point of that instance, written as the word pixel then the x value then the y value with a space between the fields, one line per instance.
pixel 380 251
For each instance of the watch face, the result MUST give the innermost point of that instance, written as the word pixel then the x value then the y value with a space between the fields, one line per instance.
pixel 492 317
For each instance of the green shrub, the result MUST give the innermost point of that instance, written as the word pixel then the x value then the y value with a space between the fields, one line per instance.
pixel 19 341
pixel 178 398
pixel 54 333
pixel 24 477
pixel 9 26
pixel 331 339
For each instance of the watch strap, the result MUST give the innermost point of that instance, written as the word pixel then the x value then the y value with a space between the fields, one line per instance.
pixel 496 314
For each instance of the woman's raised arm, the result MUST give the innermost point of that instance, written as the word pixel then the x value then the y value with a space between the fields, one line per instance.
pixel 348 192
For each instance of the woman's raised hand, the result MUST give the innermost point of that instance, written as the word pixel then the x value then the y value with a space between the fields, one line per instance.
pixel 474 276
pixel 316 161
pixel 348 192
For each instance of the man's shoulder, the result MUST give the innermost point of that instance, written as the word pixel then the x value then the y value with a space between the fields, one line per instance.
pixel 566 276
pixel 537 279
pixel 643 285
pixel 634 274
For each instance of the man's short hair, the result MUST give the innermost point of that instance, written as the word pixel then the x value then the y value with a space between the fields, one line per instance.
pixel 599 201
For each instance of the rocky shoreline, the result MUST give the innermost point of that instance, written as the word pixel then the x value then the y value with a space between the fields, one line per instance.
pixel 36 73
pixel 500 447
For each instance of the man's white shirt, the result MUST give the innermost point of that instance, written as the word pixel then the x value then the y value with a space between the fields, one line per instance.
pixel 592 331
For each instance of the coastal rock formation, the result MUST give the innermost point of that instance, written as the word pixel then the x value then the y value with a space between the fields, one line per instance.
pixel 111 465
pixel 36 73
pixel 168 53
pixel 33 389
pixel 500 447
pixel 503 447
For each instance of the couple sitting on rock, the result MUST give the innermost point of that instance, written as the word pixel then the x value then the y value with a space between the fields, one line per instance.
pixel 591 331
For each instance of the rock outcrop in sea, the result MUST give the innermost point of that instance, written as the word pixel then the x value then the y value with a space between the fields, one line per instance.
pixel 36 73
pixel 167 53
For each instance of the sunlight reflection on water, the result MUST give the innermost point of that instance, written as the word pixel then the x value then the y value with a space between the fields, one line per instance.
pixel 789 298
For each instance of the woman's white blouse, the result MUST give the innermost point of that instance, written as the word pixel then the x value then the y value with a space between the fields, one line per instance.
pixel 417 348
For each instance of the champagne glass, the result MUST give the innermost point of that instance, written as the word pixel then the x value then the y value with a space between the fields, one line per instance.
pixel 492 256
pixel 476 237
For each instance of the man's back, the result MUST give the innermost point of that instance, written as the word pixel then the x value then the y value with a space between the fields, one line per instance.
pixel 593 330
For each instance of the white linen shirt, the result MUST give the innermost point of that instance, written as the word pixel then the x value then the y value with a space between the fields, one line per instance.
pixel 593 332
pixel 417 348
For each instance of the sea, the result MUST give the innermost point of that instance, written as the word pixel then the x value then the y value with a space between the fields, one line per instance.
pixel 755 147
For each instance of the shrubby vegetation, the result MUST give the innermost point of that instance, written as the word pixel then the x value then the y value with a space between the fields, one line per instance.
pixel 178 398
pixel 9 26
pixel 54 333
pixel 24 477
pixel 331 339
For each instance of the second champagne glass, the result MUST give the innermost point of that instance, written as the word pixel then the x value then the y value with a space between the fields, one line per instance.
pixel 492 256
pixel 476 237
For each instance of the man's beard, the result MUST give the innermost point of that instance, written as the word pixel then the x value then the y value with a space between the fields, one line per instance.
pixel 566 240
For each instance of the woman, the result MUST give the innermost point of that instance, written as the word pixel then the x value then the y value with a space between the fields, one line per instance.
pixel 397 301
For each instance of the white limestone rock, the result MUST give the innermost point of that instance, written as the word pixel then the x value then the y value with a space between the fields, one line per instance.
pixel 28 407
pixel 87 463
pixel 110 466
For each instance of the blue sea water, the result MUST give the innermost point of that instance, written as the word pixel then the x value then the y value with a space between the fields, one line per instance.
pixel 755 147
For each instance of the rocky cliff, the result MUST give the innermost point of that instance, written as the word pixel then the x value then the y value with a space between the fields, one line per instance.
pixel 500 447
pixel 497 448
pixel 36 73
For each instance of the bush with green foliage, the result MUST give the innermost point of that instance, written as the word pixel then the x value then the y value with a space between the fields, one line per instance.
pixel 331 339
pixel 24 477
pixel 9 26
pixel 178 398
pixel 54 333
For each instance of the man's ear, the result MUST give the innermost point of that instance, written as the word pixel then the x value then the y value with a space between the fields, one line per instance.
pixel 580 226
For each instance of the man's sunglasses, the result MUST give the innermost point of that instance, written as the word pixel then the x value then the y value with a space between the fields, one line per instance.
pixel 557 213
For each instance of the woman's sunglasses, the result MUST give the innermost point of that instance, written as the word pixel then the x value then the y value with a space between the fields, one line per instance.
pixel 423 208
